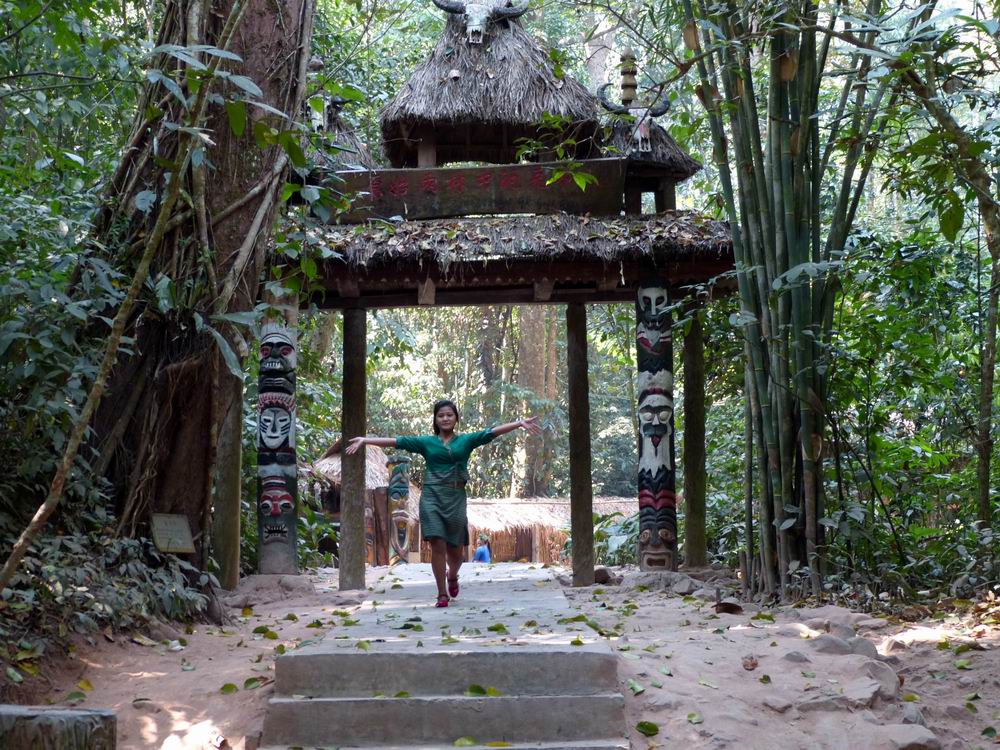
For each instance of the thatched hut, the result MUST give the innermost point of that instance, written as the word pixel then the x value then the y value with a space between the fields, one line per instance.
pixel 326 473
pixel 533 529
pixel 474 101
pixel 326 485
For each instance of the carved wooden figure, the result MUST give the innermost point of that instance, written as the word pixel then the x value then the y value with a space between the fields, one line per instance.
pixel 399 513
pixel 656 481
pixel 277 476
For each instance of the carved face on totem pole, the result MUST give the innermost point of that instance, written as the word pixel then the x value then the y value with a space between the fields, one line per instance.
pixel 399 492
pixel 276 426
pixel 277 361
pixel 276 516
pixel 656 482
pixel 276 463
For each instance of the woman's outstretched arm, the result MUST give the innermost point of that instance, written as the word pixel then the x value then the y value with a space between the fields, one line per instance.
pixel 530 424
pixel 355 443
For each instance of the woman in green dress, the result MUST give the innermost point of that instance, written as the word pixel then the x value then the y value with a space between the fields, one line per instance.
pixel 443 520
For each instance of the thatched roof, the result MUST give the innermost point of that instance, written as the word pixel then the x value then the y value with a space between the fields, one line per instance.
pixel 349 152
pixel 666 155
pixel 505 515
pixel 376 473
pixel 506 83
pixel 456 242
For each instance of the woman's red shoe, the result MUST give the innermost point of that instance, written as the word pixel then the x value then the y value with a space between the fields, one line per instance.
pixel 453 587
pixel 442 601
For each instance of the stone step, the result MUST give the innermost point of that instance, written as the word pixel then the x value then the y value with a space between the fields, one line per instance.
pixel 377 722
pixel 558 669
pixel 601 744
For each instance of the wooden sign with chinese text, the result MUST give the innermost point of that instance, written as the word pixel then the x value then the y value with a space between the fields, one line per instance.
pixel 469 191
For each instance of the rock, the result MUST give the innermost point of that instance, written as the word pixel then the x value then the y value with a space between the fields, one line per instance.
pixel 661 700
pixel 834 614
pixel 263 589
pixel 842 631
pixel 861 692
pixel 146 706
pixel 796 657
pixel 894 646
pixel 818 623
pixel 654 580
pixel 912 715
pixel 967 682
pixel 825 703
pixel 869 717
pixel 863 646
pixel 874 623
pixel 777 703
pixel 601 575
pixel 685 586
pixel 906 737
pixel 708 594
pixel 886 678
pixel 831 644
pixel 161 631
pixel 956 712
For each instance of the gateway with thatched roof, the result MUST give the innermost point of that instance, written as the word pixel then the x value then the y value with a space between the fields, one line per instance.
pixel 487 84
pixel 570 231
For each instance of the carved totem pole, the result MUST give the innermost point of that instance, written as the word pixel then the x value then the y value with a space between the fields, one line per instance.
pixel 277 480
pixel 657 501
pixel 399 493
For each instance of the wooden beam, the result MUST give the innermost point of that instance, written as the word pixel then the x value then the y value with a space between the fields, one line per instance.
pixel 426 149
pixel 353 420
pixel 347 287
pixel 581 487
pixel 428 193
pixel 426 292
pixel 695 549
pixel 543 290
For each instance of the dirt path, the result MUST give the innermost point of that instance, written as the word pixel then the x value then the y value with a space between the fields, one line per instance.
pixel 821 678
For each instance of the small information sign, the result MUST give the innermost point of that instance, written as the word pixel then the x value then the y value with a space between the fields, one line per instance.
pixel 171 533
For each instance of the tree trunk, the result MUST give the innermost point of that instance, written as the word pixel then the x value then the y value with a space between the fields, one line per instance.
pixel 209 263
pixel 229 491
pixel 695 549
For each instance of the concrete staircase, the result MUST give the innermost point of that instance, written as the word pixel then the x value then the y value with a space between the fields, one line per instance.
pixel 544 691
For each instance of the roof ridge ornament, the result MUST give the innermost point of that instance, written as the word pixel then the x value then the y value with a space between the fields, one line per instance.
pixel 478 14
pixel 643 115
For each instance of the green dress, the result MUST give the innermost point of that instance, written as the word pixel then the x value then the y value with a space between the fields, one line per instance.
pixel 446 470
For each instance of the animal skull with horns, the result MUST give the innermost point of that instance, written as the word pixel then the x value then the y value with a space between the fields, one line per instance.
pixel 478 14
pixel 643 117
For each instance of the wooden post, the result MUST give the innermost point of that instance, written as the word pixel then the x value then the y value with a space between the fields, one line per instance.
pixel 277 477
pixel 228 489
pixel 352 488
pixel 655 383
pixel 427 149
pixel 666 197
pixel 694 443
pixel 581 491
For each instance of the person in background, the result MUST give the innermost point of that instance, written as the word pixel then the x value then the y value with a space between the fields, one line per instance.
pixel 443 517
pixel 482 553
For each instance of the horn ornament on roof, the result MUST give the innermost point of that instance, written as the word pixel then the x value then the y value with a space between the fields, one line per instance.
pixel 617 109
pixel 660 108
pixel 511 11
pixel 451 6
